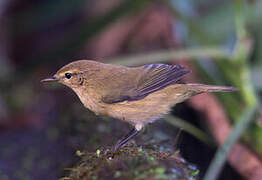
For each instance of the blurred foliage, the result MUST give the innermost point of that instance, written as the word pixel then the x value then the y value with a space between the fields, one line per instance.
pixel 223 37
pixel 74 37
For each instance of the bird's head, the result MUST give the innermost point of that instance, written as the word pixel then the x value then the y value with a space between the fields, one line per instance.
pixel 71 75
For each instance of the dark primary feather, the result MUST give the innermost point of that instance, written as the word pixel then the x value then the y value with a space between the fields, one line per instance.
pixel 159 76
pixel 154 77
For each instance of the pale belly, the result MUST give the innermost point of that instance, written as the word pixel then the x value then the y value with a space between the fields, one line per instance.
pixel 143 111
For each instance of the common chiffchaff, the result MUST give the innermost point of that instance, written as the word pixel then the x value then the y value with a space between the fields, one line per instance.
pixel 137 95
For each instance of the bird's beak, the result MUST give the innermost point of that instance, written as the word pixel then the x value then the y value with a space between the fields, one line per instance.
pixel 50 79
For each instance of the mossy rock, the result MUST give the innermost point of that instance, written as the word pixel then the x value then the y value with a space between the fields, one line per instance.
pixel 132 162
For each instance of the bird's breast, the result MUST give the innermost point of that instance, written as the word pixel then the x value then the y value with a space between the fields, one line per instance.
pixel 91 101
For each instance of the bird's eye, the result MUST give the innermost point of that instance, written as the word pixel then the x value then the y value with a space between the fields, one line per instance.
pixel 68 75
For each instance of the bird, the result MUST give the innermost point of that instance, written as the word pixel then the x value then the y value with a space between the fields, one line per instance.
pixel 137 95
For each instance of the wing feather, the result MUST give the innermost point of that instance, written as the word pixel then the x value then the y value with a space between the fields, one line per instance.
pixel 153 77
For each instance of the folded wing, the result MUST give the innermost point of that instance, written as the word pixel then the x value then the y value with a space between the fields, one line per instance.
pixel 152 78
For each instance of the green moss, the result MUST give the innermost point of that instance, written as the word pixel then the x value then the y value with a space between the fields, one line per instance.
pixel 132 163
pixel 98 152
pixel 160 170
pixel 79 153
pixel 194 173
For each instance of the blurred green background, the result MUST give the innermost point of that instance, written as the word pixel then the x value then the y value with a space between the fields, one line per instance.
pixel 41 126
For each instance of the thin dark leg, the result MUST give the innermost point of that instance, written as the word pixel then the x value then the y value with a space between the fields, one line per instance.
pixel 123 141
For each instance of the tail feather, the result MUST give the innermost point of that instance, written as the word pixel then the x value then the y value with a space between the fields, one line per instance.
pixel 211 88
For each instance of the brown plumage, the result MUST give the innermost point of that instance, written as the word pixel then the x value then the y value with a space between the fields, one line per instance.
pixel 137 95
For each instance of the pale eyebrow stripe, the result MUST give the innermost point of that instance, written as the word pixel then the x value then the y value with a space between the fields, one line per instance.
pixel 73 72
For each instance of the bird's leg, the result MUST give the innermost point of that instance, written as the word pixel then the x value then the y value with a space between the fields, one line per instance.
pixel 124 140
